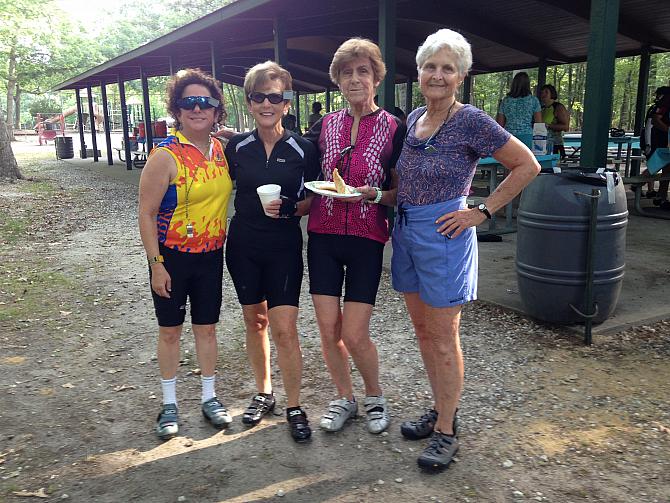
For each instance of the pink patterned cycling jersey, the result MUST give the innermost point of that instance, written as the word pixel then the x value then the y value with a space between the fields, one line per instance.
pixel 368 162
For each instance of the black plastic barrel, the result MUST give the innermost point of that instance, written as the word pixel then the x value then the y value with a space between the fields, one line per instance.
pixel 552 245
pixel 64 147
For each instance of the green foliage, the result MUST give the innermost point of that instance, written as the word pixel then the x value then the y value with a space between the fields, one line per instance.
pixel 44 105
pixel 570 82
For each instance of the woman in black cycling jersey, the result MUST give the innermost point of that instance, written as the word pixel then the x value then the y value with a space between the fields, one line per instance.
pixel 264 248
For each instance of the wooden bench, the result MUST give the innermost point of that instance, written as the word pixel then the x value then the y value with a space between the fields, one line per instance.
pixel 139 157
pixel 636 183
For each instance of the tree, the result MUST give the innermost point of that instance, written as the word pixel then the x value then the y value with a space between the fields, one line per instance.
pixel 8 166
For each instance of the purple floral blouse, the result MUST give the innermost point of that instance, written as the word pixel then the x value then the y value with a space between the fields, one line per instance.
pixel 445 171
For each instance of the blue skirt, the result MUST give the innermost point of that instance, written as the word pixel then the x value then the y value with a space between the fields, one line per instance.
pixel 443 271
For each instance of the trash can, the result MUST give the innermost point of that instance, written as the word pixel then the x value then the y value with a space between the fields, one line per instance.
pixel 552 244
pixel 64 147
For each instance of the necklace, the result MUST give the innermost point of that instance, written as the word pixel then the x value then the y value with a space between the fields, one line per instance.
pixel 427 146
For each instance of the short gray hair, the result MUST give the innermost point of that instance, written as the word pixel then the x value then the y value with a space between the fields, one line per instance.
pixel 446 39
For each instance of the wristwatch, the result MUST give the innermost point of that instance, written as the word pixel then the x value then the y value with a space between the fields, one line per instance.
pixel 158 259
pixel 482 207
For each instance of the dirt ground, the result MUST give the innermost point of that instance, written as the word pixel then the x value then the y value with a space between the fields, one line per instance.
pixel 543 418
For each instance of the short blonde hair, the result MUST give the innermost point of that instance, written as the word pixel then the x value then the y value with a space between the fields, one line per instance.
pixel 357 48
pixel 262 73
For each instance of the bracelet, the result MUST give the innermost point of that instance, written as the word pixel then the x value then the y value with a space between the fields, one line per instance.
pixel 158 259
pixel 378 197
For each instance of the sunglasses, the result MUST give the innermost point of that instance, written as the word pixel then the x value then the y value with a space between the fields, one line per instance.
pixel 274 98
pixel 204 102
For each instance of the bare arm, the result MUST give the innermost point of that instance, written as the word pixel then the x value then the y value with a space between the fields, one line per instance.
pixel 537 117
pixel 523 167
pixel 500 119
pixel 562 119
pixel 154 182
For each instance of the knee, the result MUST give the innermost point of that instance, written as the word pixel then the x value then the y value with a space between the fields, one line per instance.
pixel 256 322
pixel 285 337
pixel 357 343
pixel 170 335
pixel 205 332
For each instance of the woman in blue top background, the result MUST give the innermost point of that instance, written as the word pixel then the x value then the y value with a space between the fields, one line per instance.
pixel 520 109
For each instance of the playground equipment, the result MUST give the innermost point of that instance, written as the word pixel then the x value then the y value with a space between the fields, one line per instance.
pixel 97 116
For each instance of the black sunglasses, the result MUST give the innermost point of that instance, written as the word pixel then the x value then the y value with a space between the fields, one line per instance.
pixel 204 102
pixel 274 98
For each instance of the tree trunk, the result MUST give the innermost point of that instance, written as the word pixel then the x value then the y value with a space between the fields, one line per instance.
pixel 8 167
pixel 11 84
pixel 17 108
pixel 624 99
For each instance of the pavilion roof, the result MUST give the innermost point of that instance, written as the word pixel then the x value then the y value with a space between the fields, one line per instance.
pixel 505 35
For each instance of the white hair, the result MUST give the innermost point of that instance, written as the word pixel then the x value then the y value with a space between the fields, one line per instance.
pixel 446 39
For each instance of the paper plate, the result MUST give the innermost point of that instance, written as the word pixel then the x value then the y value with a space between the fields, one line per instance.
pixel 315 187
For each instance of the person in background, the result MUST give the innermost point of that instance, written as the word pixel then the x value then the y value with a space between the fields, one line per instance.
pixel 434 261
pixel 520 109
pixel 39 129
pixel 264 253
pixel 347 237
pixel 183 197
pixel 315 116
pixel 657 122
pixel 556 118
pixel 290 122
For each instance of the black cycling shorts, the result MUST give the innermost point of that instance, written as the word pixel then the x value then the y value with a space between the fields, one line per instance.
pixel 197 276
pixel 330 255
pixel 264 273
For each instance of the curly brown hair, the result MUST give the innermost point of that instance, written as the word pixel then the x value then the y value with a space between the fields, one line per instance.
pixel 186 77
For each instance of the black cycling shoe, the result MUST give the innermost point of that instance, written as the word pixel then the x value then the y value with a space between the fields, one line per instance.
pixel 440 451
pixel 259 406
pixel 424 426
pixel 167 423
pixel 297 421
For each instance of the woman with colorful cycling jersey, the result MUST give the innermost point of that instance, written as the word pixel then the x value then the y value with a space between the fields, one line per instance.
pixel 184 192
pixel 347 236
pixel 264 249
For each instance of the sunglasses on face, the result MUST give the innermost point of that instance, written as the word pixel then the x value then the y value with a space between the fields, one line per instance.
pixel 204 102
pixel 274 98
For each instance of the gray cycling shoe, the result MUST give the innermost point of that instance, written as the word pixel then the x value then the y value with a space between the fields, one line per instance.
pixel 216 413
pixel 167 423
pixel 377 413
pixel 339 411
pixel 440 451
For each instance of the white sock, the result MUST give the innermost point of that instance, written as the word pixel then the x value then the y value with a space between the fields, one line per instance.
pixel 169 387
pixel 207 387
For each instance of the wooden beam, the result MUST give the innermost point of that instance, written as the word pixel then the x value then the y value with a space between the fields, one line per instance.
pixel 599 82
pixel 91 119
pixel 387 24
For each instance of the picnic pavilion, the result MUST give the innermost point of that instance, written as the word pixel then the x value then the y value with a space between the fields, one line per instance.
pixel 302 36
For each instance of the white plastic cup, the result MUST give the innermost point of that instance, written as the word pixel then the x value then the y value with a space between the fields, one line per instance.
pixel 268 193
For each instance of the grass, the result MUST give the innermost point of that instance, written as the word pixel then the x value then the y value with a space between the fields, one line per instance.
pixel 12 229
pixel 27 293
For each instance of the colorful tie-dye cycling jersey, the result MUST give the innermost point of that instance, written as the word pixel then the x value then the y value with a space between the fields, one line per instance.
pixel 200 190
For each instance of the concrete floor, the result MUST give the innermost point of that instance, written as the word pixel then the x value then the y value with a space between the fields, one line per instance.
pixel 645 295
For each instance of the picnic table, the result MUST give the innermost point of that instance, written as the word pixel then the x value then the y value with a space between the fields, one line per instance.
pixel 139 156
pixel 492 168
pixel 573 145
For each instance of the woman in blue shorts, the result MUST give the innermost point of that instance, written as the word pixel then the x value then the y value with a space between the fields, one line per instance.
pixel 434 260
pixel 264 248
